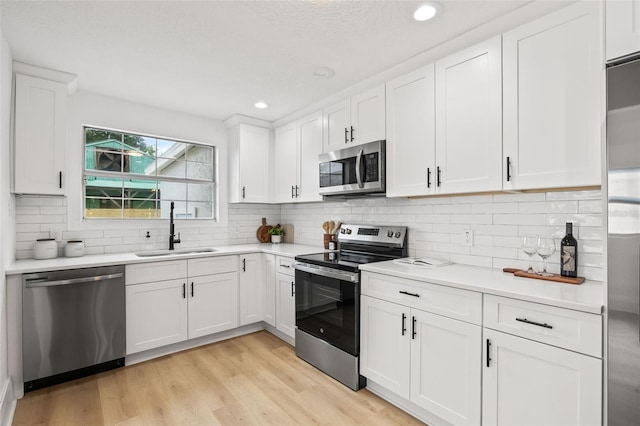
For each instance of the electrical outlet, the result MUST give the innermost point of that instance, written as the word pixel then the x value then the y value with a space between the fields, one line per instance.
pixel 468 237
pixel 54 233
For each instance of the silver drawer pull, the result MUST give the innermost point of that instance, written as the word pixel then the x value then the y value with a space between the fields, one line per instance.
pixel 545 325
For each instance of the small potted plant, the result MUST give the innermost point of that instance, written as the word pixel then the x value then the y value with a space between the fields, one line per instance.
pixel 276 234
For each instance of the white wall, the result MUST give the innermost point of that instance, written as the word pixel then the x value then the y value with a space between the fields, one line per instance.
pixel 499 222
pixel 37 215
pixel 6 215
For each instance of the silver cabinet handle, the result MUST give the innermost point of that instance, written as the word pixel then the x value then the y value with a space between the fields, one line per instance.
pixel 44 283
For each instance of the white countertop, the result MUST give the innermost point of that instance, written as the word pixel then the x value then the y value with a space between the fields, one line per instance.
pixel 32 265
pixel 586 297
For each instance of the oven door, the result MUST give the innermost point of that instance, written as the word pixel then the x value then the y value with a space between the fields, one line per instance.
pixel 328 308
pixel 358 169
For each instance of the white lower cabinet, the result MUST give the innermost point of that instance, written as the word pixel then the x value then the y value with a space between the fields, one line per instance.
pixel 542 364
pixel 531 383
pixel 201 302
pixel 213 304
pixel 156 314
pixel 269 284
pixel 251 288
pixel 286 304
pixel 431 360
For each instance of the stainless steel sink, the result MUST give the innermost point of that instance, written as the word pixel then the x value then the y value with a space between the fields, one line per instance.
pixel 155 253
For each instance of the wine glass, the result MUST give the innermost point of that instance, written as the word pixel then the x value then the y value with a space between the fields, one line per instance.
pixel 530 247
pixel 546 247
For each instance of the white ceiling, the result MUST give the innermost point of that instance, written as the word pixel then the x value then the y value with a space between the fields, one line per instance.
pixel 216 58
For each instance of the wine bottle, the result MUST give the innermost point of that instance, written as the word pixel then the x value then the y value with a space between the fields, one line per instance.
pixel 569 254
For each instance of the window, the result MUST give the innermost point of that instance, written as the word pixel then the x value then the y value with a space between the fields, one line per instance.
pixel 130 176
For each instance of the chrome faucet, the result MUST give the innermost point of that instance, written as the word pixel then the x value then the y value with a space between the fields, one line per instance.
pixel 172 231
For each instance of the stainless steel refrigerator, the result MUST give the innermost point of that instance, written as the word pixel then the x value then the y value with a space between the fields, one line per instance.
pixel 623 243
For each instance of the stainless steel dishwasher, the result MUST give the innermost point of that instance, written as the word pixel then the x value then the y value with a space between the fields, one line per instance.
pixel 73 324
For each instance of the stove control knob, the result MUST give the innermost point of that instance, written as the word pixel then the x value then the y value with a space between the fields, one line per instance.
pixel 342 231
pixel 398 234
pixel 389 234
pixel 348 231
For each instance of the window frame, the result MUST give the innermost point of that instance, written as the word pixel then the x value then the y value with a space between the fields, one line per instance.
pixel 213 181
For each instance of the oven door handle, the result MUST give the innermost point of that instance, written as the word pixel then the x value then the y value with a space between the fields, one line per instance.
pixel 358 171
pixel 352 277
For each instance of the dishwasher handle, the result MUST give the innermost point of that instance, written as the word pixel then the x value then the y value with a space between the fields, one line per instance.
pixel 42 282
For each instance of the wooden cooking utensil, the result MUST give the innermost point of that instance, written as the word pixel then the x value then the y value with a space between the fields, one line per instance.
pixel 331 225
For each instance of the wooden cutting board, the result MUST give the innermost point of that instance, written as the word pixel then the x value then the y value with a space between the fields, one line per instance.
pixel 262 234
pixel 555 277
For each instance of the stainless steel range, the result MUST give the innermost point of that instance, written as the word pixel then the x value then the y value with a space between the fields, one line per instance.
pixel 328 298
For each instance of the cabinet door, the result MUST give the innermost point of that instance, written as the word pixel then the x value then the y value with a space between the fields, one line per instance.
pixel 336 120
pixel 469 120
pixel 411 139
pixel 213 304
pixel 285 164
pixel 254 164
pixel 270 289
pixel 40 136
pixel 623 28
pixel 385 344
pixel 251 288
pixel 367 116
pixel 156 314
pixel 446 356
pixel 310 147
pixel 552 100
pixel 530 383
pixel 286 305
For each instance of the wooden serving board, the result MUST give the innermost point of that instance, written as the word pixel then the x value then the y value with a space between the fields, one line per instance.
pixel 556 277
pixel 262 234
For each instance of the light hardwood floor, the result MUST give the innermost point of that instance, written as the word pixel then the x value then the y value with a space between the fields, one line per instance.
pixel 249 380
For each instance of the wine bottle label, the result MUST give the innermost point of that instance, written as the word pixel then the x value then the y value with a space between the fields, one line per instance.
pixel 569 259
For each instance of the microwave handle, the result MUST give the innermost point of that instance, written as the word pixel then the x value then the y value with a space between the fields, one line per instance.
pixel 358 170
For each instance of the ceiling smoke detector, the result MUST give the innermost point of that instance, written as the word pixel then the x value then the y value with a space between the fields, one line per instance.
pixel 324 72
pixel 427 11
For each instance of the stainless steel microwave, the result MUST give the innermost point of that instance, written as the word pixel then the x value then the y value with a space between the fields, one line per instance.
pixel 357 170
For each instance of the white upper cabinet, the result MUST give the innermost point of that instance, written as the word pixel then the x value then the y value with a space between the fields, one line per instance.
pixel 469 120
pixel 355 121
pixel 40 136
pixel 622 28
pixel 285 170
pixel 309 148
pixel 337 119
pixel 249 164
pixel 411 141
pixel 297 146
pixel 553 78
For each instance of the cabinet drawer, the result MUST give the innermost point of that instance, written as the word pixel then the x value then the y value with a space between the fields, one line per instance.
pixel 212 265
pixel 155 271
pixel 284 265
pixel 438 299
pixel 565 328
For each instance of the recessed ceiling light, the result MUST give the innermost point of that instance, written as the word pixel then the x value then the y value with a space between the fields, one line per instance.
pixel 427 11
pixel 324 72
pixel 261 105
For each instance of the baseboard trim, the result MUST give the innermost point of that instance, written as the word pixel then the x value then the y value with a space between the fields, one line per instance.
pixel 405 405
pixel 280 335
pixel 192 343
pixel 7 404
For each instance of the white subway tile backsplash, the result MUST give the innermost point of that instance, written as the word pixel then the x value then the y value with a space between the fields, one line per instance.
pixel 549 207
pixel 594 206
pixel 574 195
pixel 518 219
pixel 436 226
